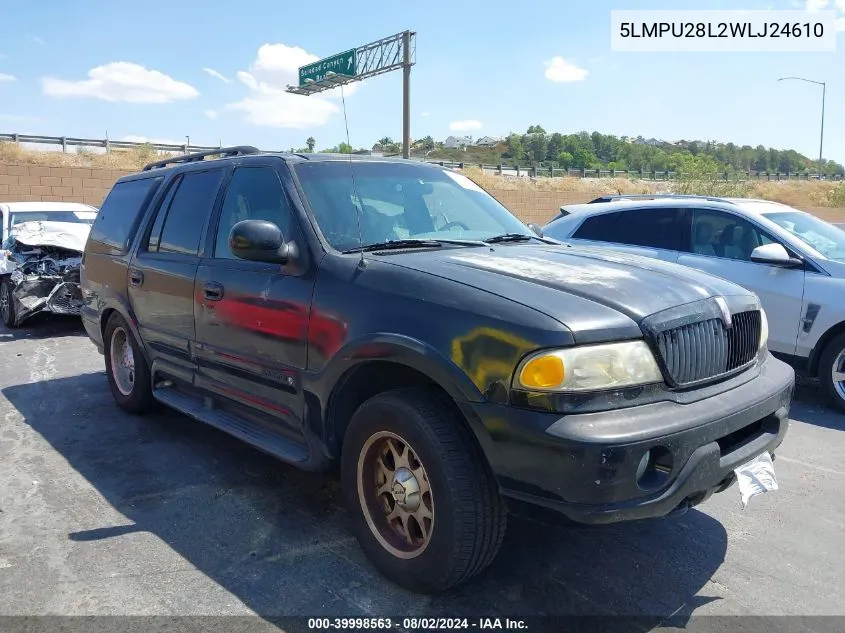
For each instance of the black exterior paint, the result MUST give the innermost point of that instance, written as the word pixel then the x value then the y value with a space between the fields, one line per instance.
pixel 276 343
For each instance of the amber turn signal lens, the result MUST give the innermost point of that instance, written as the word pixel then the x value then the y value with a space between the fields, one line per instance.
pixel 543 372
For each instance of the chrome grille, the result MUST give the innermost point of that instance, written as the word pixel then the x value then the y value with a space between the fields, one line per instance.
pixel 707 349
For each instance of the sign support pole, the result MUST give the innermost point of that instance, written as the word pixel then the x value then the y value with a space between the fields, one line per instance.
pixel 406 94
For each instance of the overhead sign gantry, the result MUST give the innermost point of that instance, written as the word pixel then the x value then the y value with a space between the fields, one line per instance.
pixel 390 53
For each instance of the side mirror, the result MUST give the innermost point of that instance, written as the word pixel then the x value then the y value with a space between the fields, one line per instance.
pixel 259 241
pixel 536 228
pixel 774 254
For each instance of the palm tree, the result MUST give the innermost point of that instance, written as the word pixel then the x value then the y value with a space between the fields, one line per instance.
pixel 311 142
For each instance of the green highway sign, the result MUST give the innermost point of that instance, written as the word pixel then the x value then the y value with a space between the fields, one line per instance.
pixel 341 64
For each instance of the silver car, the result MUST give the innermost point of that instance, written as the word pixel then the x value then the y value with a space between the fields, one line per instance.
pixel 792 260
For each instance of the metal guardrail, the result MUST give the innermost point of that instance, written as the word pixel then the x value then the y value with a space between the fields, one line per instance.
pixel 644 174
pixel 502 170
pixel 107 144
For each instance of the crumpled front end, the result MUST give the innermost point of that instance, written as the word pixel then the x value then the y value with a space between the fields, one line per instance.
pixel 47 283
pixel 42 277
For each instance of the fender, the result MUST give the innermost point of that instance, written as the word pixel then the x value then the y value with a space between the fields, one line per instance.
pixel 119 304
pixel 404 350
pixel 320 387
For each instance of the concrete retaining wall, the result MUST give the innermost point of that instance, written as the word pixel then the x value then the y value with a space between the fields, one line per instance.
pixel 21 183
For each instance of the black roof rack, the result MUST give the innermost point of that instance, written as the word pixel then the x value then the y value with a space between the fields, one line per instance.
pixel 223 152
pixel 653 196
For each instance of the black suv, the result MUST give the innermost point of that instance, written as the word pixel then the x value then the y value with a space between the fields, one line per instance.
pixel 393 318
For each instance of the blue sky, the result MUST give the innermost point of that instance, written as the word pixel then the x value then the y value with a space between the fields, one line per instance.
pixel 137 70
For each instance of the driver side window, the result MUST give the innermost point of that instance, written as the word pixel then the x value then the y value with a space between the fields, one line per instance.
pixel 254 193
pixel 724 235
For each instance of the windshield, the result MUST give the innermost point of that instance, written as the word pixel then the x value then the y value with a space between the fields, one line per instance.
pixel 399 201
pixel 825 238
pixel 80 217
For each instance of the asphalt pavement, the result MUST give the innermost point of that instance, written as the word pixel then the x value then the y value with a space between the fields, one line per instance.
pixel 102 513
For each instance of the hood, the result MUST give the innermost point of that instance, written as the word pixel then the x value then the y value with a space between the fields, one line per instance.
pixel 69 235
pixel 585 288
pixel 831 266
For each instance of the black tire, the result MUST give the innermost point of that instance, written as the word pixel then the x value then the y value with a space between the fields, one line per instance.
pixel 139 398
pixel 829 357
pixel 468 515
pixel 7 304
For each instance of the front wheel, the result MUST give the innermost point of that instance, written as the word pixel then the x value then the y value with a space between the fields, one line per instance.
pixel 426 510
pixel 832 371
pixel 7 304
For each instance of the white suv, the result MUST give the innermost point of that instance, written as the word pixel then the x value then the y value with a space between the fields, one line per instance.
pixel 792 260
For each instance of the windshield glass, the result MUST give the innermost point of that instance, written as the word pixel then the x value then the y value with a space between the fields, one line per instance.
pixel 400 201
pixel 83 217
pixel 825 238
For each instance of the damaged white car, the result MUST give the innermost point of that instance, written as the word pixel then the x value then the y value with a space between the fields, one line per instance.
pixel 39 269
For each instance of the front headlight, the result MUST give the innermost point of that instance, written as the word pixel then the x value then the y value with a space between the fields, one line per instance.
pixel 764 328
pixel 589 368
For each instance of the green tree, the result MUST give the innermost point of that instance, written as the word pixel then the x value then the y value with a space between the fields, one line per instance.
pixel 536 145
pixel 555 146
pixel 535 129
pixel 310 142
pixel 427 143
pixel 565 160
pixel 515 147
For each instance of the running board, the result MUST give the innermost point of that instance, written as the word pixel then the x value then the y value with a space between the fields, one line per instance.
pixel 271 443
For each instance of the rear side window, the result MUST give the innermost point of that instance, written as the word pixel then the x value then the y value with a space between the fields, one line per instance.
pixel 185 213
pixel 118 218
pixel 651 228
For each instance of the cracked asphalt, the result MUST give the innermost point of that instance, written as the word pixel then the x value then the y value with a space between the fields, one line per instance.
pixel 102 513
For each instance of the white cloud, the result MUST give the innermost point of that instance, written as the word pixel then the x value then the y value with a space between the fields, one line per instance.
pixel 840 4
pixel 211 114
pixel 840 24
pixel 38 40
pixel 216 74
pixel 269 104
pixel 815 5
pixel 7 78
pixel 560 70
pixel 465 126
pixel 122 81
pixel 135 138
pixel 425 113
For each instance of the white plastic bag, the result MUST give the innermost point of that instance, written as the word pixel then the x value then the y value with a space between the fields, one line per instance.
pixel 755 477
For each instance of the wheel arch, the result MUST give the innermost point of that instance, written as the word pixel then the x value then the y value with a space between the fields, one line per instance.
pixel 126 314
pixel 815 356
pixel 387 362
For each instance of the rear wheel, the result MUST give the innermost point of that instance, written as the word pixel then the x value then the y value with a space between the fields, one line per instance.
pixel 832 371
pixel 128 374
pixel 426 510
pixel 7 304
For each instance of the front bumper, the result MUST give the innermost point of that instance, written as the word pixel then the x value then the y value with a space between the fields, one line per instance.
pixel 590 466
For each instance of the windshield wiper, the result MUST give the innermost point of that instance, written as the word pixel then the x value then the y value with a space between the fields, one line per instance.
pixel 509 237
pixel 394 244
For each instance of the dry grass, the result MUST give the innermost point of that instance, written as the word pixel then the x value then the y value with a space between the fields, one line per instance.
pixel 129 160
pixel 794 193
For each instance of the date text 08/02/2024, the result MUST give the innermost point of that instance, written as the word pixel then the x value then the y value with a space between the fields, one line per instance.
pixel 415 624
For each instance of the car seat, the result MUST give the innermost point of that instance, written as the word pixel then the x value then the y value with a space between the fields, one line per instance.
pixel 703 233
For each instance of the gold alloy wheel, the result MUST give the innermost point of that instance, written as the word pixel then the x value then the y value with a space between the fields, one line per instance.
pixel 395 495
